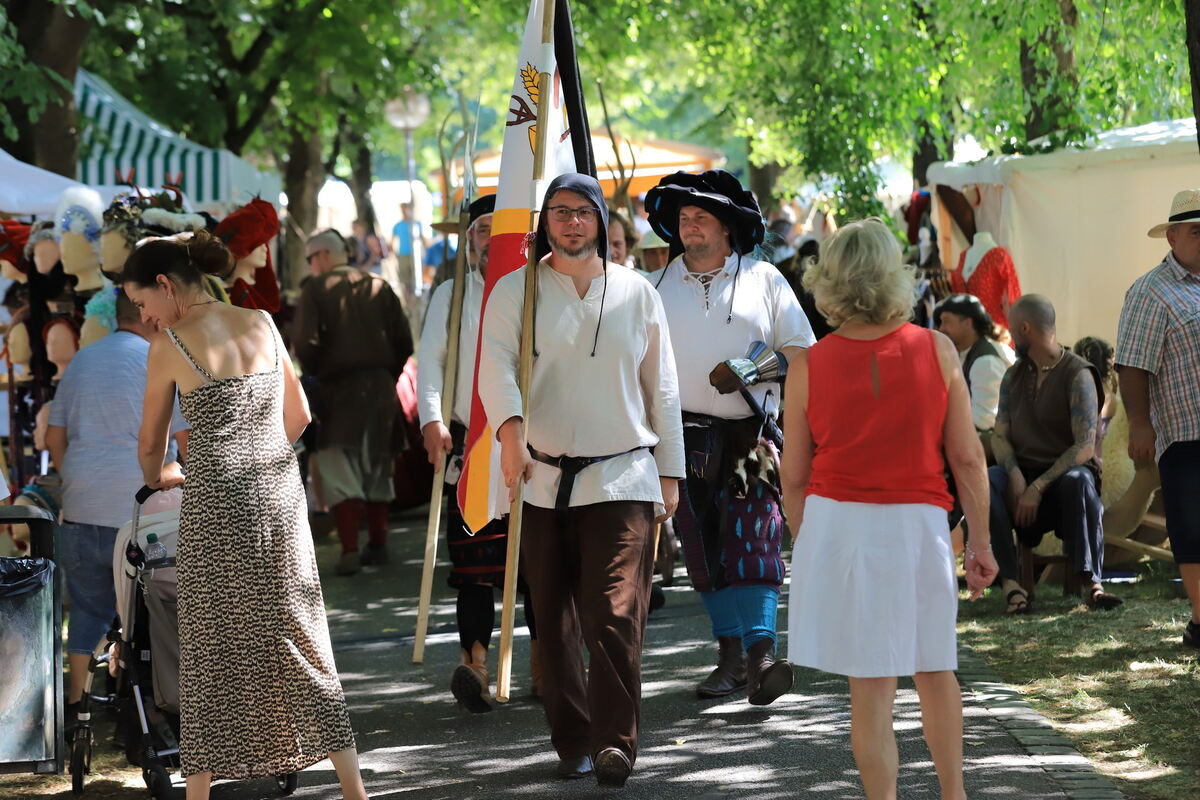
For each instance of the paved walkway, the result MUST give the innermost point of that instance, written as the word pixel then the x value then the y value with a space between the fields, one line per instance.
pixel 415 743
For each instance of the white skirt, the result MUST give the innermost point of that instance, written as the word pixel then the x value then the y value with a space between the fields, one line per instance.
pixel 873 591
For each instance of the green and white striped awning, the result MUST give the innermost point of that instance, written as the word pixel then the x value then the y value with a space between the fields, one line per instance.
pixel 118 137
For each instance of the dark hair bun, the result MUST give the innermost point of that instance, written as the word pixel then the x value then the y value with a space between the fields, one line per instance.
pixel 209 254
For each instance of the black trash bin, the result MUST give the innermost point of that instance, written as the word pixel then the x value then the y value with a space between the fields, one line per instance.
pixel 31 690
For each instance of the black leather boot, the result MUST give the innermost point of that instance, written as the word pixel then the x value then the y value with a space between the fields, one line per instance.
pixel 767 679
pixel 730 674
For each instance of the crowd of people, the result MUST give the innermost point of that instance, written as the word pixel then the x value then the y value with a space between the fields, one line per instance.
pixel 896 434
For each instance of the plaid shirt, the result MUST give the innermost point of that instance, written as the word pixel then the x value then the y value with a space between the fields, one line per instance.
pixel 1159 332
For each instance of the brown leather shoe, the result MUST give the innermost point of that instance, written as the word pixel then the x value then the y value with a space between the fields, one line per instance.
pixel 730 674
pixel 612 768
pixel 767 679
pixel 469 683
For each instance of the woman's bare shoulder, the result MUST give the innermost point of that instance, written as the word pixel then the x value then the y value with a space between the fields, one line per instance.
pixel 947 355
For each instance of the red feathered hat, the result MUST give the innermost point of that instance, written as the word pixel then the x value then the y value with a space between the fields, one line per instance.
pixel 248 228
pixel 13 236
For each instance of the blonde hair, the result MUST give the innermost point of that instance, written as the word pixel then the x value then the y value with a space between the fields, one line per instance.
pixel 862 274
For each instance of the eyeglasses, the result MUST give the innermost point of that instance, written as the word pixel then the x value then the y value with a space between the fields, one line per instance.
pixel 565 213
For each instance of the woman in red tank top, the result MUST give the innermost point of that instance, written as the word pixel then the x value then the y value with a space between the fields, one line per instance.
pixel 875 412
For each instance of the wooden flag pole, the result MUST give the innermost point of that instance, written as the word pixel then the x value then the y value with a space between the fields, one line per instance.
pixel 525 373
pixel 449 386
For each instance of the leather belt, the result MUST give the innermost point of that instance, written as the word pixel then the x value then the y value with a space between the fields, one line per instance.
pixel 570 467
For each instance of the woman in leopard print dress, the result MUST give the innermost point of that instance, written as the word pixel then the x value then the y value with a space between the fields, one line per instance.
pixel 259 691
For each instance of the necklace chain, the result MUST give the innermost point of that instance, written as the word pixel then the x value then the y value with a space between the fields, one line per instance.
pixel 1062 351
pixel 203 303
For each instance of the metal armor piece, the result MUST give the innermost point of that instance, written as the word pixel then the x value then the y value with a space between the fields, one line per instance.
pixel 759 365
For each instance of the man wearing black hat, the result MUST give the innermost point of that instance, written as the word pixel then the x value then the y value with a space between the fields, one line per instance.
pixel 730 520
pixel 600 452
pixel 477 560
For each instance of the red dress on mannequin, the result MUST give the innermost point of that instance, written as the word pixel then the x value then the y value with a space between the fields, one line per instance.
pixel 994 282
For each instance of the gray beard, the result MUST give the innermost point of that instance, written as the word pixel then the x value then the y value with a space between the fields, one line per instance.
pixel 560 249
pixel 699 252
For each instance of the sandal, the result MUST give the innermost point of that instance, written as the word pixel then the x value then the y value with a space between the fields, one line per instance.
pixel 1098 598
pixel 1018 606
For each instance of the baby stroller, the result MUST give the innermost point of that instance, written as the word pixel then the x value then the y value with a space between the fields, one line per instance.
pixel 147 657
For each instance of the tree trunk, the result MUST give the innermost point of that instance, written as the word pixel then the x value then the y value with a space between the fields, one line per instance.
pixel 302 179
pixel 1048 74
pixel 1192 11
pixel 54 39
pixel 361 176
pixel 57 130
pixel 929 149
pixel 762 183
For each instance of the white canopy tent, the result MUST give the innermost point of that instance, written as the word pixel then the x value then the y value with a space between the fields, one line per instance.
pixel 29 191
pixel 1075 221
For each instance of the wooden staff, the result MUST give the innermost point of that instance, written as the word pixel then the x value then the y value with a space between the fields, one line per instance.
pixel 449 386
pixel 525 373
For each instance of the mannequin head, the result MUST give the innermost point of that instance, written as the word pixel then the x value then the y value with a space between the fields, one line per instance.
pixel 78 219
pixel 61 337
pixel 20 351
pixel 42 247
pixel 246 267
pixel 122 229
pixel 99 315
pixel 114 249
pixel 248 232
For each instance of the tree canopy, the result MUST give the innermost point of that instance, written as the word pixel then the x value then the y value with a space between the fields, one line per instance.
pixel 821 88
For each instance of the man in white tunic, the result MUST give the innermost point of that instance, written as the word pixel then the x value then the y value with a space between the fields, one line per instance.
pixel 476 560
pixel 600 452
pixel 725 304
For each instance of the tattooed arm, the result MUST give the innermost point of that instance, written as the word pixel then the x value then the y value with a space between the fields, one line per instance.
pixel 1084 423
pixel 1002 448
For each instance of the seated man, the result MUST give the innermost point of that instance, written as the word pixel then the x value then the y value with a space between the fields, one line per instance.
pixel 1047 475
pixel 984 360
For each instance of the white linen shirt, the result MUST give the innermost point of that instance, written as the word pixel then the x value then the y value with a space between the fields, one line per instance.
pixel 624 397
pixel 986 375
pixel 431 354
pixel 764 309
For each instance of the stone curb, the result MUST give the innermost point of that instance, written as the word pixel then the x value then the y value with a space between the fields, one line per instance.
pixel 1033 732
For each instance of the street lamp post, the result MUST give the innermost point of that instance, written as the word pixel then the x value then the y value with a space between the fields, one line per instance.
pixel 406 113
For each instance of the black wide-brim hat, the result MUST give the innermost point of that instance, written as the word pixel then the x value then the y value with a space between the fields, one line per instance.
pixel 717 192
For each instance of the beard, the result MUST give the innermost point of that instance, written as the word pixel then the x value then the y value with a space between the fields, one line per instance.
pixel 700 249
pixel 564 250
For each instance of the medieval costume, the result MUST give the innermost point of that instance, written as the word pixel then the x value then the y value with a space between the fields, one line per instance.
pixel 352 336
pixel 986 270
pixel 603 426
pixel 730 518
pixel 477 560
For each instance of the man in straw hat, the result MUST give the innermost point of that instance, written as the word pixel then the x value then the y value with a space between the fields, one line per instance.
pixel 601 453
pixel 730 520
pixel 1158 358
pixel 476 560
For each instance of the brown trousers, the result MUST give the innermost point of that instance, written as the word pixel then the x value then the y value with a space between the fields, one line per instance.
pixel 590 585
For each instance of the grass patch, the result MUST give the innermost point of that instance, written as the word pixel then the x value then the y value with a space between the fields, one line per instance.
pixel 1119 683
pixel 111 777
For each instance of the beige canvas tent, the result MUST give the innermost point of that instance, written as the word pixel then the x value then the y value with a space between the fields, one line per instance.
pixel 1075 221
